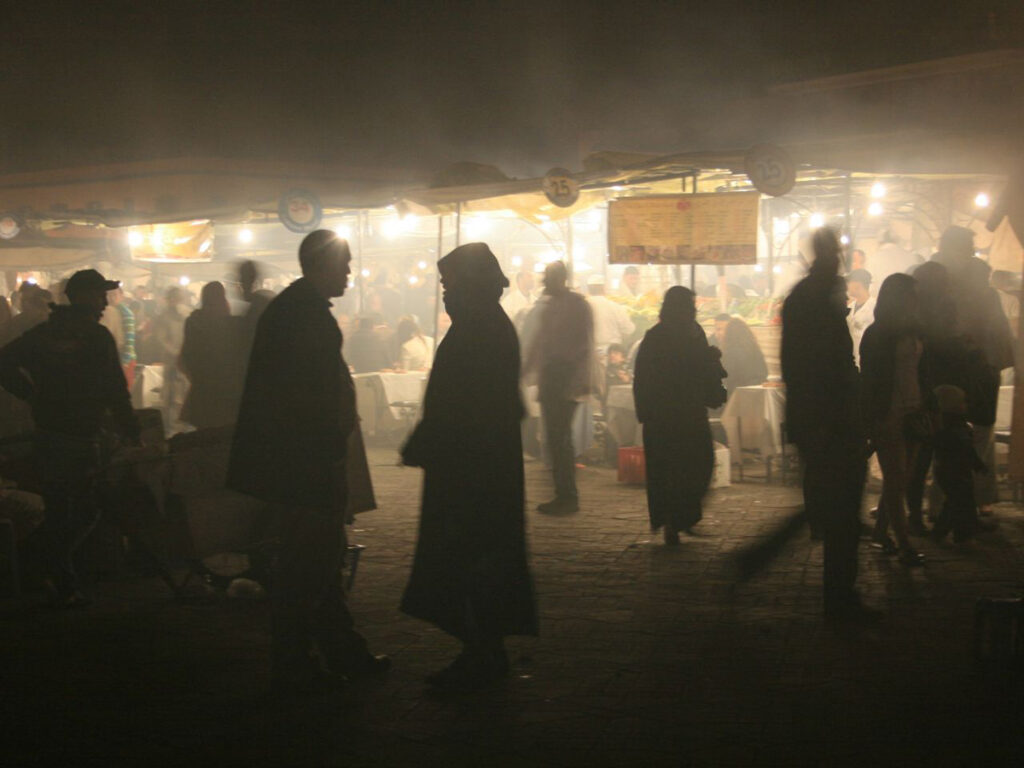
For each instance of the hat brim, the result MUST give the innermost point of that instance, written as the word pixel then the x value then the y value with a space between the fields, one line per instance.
pixel 109 285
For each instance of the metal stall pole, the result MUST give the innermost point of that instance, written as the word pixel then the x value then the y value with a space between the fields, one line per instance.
pixel 693 267
pixel 458 224
pixel 359 262
pixel 848 223
pixel 571 261
pixel 769 233
pixel 437 278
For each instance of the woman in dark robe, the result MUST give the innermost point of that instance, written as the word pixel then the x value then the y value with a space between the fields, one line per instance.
pixel 208 356
pixel 470 575
pixel 678 377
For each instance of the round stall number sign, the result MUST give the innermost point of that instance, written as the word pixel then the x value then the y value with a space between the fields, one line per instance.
pixel 300 210
pixel 770 169
pixel 561 188
pixel 9 227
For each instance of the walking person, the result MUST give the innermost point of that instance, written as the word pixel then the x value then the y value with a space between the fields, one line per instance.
pixel 297 410
pixel 559 358
pixel 207 361
pixel 678 377
pixel 890 356
pixel 470 576
pixel 68 368
pixel 823 417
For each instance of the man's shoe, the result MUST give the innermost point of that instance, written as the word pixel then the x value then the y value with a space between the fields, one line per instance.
pixel 559 507
pixel 850 610
pixel 470 672
pixel 370 666
pixel 884 543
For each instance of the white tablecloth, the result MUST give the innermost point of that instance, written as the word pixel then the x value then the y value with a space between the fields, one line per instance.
pixel 752 420
pixel 377 393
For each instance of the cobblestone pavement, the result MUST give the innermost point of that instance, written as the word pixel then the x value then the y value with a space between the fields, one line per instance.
pixel 647 656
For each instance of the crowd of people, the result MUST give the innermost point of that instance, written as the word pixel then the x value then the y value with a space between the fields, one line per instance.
pixel 923 398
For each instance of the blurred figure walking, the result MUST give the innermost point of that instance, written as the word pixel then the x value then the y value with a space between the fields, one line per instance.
pixel 558 339
pixel 823 417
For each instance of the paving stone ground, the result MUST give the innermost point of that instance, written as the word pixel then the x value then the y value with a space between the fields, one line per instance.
pixel 647 656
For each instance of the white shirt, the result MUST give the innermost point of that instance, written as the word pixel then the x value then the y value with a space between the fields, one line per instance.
pixel 611 321
pixel 858 319
pixel 515 302
pixel 416 354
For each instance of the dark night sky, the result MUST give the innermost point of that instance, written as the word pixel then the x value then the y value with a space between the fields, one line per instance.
pixel 519 84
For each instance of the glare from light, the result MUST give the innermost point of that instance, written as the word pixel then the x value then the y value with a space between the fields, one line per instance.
pixel 539 267
pixel 413 280
pixel 875 209
pixel 477 227
pixel 781 227
pixel 205 246
pixel 245 235
pixel 344 231
pixel 156 240
pixel 878 190
pixel 844 239
pixel 817 220
pixel 777 269
pixel 759 268
pixel 616 283
pixel 135 239
pixel 30 280
pixel 981 200
pixel 517 262
pixel 365 273
pixel 421 265
pixel 391 228
pixel 410 222
pixel 183 281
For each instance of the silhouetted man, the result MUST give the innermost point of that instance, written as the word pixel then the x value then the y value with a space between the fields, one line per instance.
pixel 822 416
pixel 470 576
pixel 68 368
pixel 558 337
pixel 297 411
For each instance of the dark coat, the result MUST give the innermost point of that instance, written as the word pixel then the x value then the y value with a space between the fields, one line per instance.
pixel 298 406
pixel 822 401
pixel 74 378
pixel 471 550
pixel 676 376
pixel 209 360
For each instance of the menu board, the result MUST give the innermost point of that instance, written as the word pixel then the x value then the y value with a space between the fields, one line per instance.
pixel 716 228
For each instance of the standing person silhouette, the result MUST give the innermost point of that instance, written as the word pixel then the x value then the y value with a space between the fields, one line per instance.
pixel 470 575
pixel 823 417
pixel 206 360
pixel 559 342
pixel 297 410
pixel 68 368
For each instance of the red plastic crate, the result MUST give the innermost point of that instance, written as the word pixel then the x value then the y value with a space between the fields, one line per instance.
pixel 632 465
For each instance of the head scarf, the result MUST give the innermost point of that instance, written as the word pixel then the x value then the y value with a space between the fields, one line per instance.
pixel 474 266
pixel 678 305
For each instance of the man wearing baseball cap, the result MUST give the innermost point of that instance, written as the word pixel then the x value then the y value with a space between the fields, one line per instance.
pixel 68 369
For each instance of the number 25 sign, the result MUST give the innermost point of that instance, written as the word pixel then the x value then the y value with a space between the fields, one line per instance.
pixel 770 169
pixel 561 188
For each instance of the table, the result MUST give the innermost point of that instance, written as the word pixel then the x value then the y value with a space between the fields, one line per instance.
pixel 752 420
pixel 378 396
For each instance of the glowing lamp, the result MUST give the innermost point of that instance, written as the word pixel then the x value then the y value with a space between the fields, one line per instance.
pixel 878 190
pixel 183 281
pixel 245 235
pixel 135 239
pixel 817 220
pixel 875 209
pixel 981 200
